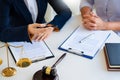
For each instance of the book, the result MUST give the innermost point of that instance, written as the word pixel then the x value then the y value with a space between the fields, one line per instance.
pixel 112 56
pixel 35 51
pixel 85 42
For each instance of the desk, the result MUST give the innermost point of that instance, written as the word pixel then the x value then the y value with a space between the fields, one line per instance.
pixel 73 67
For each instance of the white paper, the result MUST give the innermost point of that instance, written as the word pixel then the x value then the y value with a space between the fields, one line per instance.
pixel 34 51
pixel 86 41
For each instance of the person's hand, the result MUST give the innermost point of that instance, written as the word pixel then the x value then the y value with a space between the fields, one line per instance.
pixel 93 22
pixel 33 28
pixel 38 32
pixel 88 21
pixel 100 24
pixel 42 34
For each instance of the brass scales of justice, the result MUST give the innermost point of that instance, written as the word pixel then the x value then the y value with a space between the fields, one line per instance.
pixel 22 62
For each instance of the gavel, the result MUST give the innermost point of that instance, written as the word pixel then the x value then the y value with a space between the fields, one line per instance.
pixel 47 72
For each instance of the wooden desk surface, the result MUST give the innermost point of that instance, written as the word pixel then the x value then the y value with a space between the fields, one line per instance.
pixel 73 67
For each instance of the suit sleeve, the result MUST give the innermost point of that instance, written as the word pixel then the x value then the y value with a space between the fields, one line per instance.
pixel 63 13
pixel 8 33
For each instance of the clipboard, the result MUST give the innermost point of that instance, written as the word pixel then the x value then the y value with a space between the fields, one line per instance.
pixel 84 42
pixel 35 51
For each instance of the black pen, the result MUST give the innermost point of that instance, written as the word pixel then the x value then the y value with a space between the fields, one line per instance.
pixel 59 60
pixel 45 26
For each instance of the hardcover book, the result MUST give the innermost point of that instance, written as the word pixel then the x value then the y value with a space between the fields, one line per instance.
pixel 112 56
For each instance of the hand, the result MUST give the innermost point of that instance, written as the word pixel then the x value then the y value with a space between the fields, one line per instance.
pixel 43 33
pixel 89 21
pixel 101 25
pixel 94 22
pixel 32 28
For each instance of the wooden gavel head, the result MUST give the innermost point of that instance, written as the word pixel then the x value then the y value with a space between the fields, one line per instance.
pixel 48 73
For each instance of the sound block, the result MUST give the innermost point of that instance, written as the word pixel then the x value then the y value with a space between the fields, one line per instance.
pixel 40 76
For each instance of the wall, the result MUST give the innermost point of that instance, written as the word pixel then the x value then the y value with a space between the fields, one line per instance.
pixel 72 4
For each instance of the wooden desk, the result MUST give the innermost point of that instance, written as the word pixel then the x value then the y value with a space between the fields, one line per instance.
pixel 73 67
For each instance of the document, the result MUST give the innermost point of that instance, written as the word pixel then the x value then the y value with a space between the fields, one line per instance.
pixel 35 52
pixel 85 42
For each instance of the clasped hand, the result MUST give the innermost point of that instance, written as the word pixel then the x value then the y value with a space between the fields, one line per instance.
pixel 93 22
pixel 38 32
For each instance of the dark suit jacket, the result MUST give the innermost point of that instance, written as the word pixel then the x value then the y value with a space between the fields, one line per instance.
pixel 15 16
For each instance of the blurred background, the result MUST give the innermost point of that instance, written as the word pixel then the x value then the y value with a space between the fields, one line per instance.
pixel 72 4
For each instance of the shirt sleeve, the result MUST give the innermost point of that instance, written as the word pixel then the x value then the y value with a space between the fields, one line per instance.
pixel 88 3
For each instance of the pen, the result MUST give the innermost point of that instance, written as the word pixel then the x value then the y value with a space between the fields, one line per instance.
pixel 75 51
pixel 46 26
pixel 59 60
pixel 85 37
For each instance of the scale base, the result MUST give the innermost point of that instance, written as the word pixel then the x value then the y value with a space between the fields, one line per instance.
pixel 9 71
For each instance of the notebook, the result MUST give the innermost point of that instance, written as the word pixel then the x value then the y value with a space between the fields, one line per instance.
pixel 36 51
pixel 84 42
pixel 112 56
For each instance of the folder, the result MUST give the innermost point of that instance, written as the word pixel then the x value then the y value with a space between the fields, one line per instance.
pixel 35 51
pixel 83 42
pixel 112 56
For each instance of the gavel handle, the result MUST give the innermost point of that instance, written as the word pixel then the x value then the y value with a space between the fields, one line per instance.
pixel 59 60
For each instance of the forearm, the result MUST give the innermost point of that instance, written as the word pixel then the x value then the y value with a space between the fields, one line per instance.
pixel 14 34
pixel 85 10
pixel 63 13
pixel 115 26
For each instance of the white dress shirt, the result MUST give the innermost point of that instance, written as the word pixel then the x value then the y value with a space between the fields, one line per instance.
pixel 32 7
